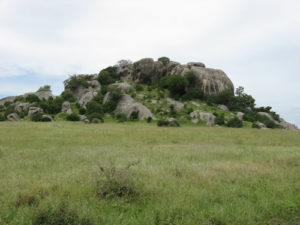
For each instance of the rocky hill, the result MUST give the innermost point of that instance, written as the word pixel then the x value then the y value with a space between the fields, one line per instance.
pixel 161 90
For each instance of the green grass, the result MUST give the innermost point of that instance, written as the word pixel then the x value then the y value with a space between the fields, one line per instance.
pixel 186 175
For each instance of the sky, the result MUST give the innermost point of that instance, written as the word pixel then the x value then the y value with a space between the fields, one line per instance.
pixel 255 42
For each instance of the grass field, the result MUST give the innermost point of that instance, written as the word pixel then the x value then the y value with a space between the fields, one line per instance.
pixel 187 175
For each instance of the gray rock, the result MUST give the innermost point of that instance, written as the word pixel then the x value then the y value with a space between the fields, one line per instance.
pixel 173 122
pixel 240 115
pixel 195 121
pixel 82 117
pixel 34 110
pixel 148 71
pixel 209 118
pixel 7 99
pixel 287 126
pixel 124 86
pixel 141 96
pixel 107 98
pixel 262 126
pixel 211 81
pixel 44 94
pixel 267 115
pixel 96 120
pixel 223 107
pixel 86 98
pixel 196 104
pixel 21 106
pixel 13 117
pixel 178 105
pixel 82 93
pixel 195 64
pixel 66 107
pixel 127 105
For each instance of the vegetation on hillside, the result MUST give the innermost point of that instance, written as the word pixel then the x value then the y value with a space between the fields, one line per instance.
pixel 184 89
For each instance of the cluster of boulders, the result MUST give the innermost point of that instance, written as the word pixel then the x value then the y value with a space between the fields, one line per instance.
pixel 211 81
pixel 144 71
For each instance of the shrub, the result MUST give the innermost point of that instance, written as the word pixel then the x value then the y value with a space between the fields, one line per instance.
pixel 109 106
pixel 164 60
pixel 121 117
pixel 173 111
pixel 32 98
pixel 115 95
pixel 192 78
pixel 176 84
pixel 139 87
pixel 116 182
pixel 250 116
pixel 149 119
pixel 108 76
pixel 265 120
pixel 38 117
pixel 220 119
pixel 242 101
pixel 72 117
pixel 77 80
pixel 9 109
pixel 162 123
pixel 82 111
pixel 2 117
pixel 52 106
pixel 134 115
pixel 59 215
pixel 255 125
pixel 95 115
pixel 194 93
pixel 19 99
pixel 235 122
pixel 45 88
pixel 94 107
pixel 67 96
pixel 225 97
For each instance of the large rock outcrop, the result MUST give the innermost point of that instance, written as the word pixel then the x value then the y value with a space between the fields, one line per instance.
pixel 84 94
pixel 211 81
pixel 127 105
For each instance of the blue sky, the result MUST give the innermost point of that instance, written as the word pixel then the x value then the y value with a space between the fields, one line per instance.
pixel 257 43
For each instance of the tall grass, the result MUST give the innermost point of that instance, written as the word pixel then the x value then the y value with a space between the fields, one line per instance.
pixel 187 175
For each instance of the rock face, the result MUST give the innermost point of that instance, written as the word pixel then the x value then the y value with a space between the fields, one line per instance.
pixel 209 118
pixel 282 123
pixel 86 94
pixel 21 106
pixel 13 117
pixel 124 86
pixel 211 81
pixel 44 94
pixel 147 71
pixel 178 105
pixel 223 107
pixel 34 110
pixel 127 105
pixel 66 107
pixel 240 115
